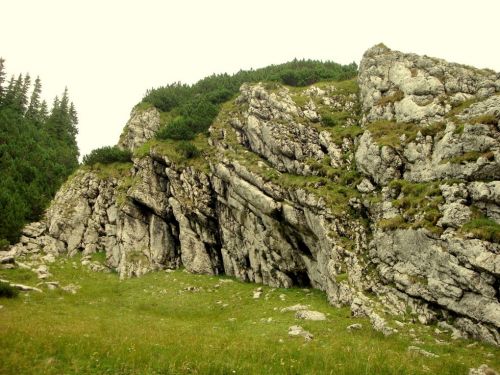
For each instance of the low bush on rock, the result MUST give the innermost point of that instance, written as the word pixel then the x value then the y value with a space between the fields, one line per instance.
pixel 107 155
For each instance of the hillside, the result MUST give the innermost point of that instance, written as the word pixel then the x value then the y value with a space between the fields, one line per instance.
pixel 382 191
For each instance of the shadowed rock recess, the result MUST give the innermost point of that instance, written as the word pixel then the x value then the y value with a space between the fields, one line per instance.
pixel 382 191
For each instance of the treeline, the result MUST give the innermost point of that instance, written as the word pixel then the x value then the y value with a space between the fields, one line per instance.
pixel 38 151
pixel 194 107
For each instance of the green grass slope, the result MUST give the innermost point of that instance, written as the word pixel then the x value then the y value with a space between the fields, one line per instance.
pixel 179 323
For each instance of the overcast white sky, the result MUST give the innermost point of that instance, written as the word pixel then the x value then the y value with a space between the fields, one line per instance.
pixel 109 52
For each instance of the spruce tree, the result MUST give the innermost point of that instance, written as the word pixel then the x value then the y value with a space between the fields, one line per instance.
pixel 34 106
pixel 43 113
pixel 2 78
pixel 9 93
pixel 23 97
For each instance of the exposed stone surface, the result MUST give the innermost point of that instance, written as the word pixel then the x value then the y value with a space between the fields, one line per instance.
pixel 412 88
pixel 264 209
pixel 425 353
pixel 482 370
pixel 295 308
pixel 355 326
pixel 142 126
pixel 299 331
pixel 310 315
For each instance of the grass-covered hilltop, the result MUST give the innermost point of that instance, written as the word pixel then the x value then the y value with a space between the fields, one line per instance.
pixel 305 218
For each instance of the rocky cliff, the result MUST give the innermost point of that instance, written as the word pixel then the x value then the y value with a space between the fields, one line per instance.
pixel 383 192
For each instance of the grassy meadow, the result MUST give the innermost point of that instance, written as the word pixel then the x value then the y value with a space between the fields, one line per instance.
pixel 179 323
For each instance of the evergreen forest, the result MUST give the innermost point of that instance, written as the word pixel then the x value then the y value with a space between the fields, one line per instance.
pixel 38 150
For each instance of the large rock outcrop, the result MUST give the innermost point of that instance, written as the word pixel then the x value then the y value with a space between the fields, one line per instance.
pixel 380 207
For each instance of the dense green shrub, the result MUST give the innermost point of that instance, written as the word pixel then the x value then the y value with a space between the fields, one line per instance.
pixel 179 128
pixel 7 291
pixel 107 155
pixel 187 150
pixel 197 105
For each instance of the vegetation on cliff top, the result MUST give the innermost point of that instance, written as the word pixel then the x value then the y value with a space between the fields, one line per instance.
pixel 38 151
pixel 107 155
pixel 194 107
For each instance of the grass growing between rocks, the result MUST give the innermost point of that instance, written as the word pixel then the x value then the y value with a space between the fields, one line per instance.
pixel 483 228
pixel 179 323
pixel 183 153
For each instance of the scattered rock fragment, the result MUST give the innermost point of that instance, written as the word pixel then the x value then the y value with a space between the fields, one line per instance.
pixel 49 258
pixel 26 288
pixel 355 326
pixel 296 331
pixel 42 272
pixel 52 285
pixel 425 353
pixel 71 288
pixel 297 307
pixel 482 370
pixel 455 333
pixel 379 324
pixel 310 315
pixel 257 293
pixel 193 289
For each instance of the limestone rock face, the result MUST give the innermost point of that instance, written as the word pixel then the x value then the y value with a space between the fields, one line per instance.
pixel 394 223
pixel 412 88
pixel 142 126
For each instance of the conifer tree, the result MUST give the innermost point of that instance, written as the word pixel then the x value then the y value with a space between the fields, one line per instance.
pixel 17 92
pixel 2 78
pixel 10 93
pixel 73 115
pixel 43 113
pixel 34 106
pixel 23 97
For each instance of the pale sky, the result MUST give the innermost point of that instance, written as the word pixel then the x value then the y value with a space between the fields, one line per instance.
pixel 109 52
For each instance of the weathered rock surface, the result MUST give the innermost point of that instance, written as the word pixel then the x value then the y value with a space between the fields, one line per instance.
pixel 380 226
pixel 143 125
pixel 412 88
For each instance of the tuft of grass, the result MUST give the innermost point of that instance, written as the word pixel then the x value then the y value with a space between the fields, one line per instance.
pixel 180 152
pixel 461 107
pixel 483 228
pixel 486 119
pixel 470 156
pixel 418 204
pixel 388 133
pixel 157 324
pixel 392 98
pixel 112 170
pixel 396 222
pixel 8 291
pixel 330 119
pixel 143 106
